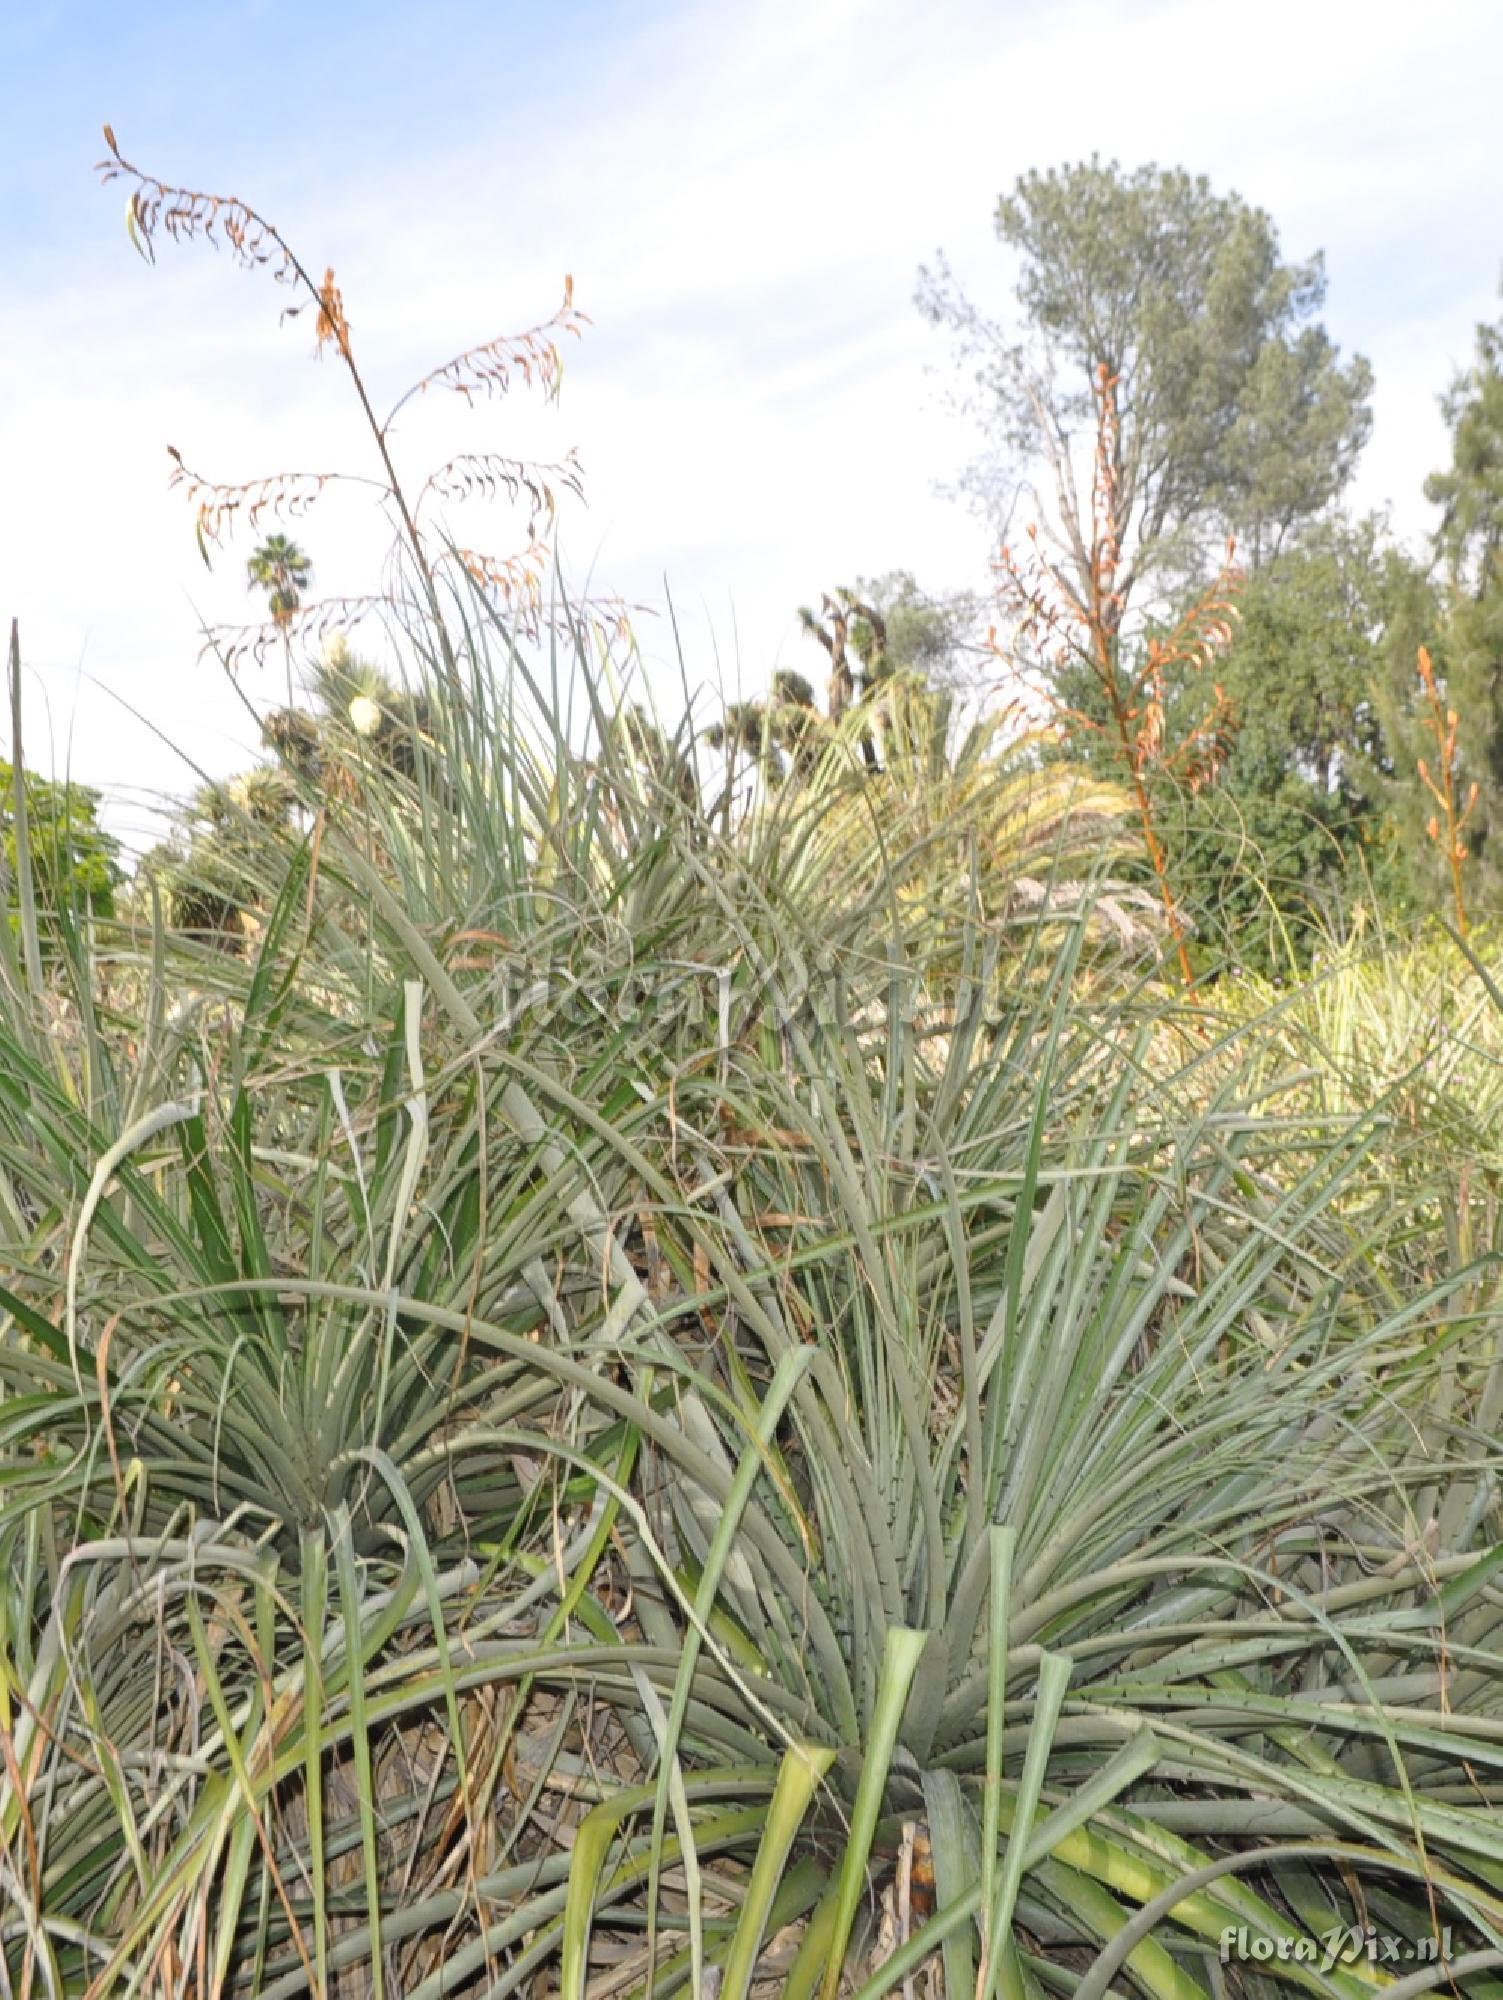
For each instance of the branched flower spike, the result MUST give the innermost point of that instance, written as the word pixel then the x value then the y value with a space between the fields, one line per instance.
pixel 1072 609
pixel 534 357
pixel 1446 826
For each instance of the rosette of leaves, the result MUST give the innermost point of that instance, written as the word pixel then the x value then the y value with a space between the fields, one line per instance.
pixel 1046 1480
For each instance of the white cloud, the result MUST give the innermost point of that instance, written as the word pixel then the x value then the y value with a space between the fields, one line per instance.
pixel 744 196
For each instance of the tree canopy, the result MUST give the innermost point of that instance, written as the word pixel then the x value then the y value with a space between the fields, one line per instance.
pixel 1299 826
pixel 74 863
pixel 1470 489
pixel 1237 415
pixel 280 568
pixel 1460 622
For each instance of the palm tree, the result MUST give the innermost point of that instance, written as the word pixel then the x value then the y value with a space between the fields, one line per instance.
pixel 280 568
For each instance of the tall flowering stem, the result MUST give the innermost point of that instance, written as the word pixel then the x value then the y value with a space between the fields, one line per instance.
pixel 1447 824
pixel 1071 606
pixel 155 209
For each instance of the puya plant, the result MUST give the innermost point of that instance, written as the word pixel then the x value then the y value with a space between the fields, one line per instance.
pixel 1062 1514
pixel 533 358
pixel 298 1494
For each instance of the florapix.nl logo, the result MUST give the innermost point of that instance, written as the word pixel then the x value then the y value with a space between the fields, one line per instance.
pixel 1343 1944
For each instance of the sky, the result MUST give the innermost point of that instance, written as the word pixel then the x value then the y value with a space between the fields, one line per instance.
pixel 743 192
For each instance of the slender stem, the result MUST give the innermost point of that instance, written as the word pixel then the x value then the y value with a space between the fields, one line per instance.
pixel 1158 858
pixel 1443 723
pixel 1104 618
pixel 25 884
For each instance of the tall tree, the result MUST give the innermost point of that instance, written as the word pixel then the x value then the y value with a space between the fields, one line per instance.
pixel 1300 824
pixel 939 638
pixel 280 568
pixel 1470 490
pixel 883 629
pixel 1462 628
pixel 75 868
pixel 779 736
pixel 1236 415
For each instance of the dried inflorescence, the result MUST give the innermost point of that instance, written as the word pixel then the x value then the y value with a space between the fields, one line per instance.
pixel 490 368
pixel 1447 826
pixel 1196 759
pixel 1071 609
pixel 516 583
pixel 533 357
pixel 234 645
pixel 487 475
pixel 283 495
pixel 332 324
pixel 186 214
